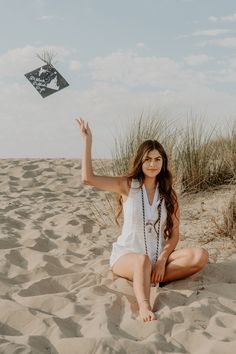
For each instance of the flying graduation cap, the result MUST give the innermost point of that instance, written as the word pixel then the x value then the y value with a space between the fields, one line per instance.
pixel 46 79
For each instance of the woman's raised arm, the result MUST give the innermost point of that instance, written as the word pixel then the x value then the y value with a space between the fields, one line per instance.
pixel 116 184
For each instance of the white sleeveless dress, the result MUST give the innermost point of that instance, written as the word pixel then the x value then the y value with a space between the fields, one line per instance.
pixel 132 235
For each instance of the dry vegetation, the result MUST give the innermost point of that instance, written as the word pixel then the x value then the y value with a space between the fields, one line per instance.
pixel 227 226
pixel 199 159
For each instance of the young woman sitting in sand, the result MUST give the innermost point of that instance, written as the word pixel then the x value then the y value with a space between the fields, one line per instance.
pixel 145 251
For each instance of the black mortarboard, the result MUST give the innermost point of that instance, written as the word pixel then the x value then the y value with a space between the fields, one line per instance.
pixel 46 79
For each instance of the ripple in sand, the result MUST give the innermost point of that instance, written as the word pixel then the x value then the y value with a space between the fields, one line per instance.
pixel 51 234
pixel 66 327
pixel 88 227
pixel 45 216
pixel 11 223
pixel 44 286
pixel 7 243
pixel 73 222
pixel 30 167
pixel 6 330
pixel 41 344
pixel 44 245
pixel 30 174
pixel 73 238
pixel 15 257
pixel 20 318
pixel 13 178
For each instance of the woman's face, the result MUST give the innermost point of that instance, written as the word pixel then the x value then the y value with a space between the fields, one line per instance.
pixel 152 163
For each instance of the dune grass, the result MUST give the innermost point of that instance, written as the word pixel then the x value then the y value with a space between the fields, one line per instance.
pixel 125 146
pixel 193 157
pixel 141 129
pixel 205 158
pixel 198 158
pixel 227 226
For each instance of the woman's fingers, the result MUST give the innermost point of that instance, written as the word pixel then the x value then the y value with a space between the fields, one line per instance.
pixel 156 278
pixel 84 128
pixel 80 120
pixel 81 123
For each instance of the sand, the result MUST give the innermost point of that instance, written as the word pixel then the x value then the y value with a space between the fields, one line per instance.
pixel 57 294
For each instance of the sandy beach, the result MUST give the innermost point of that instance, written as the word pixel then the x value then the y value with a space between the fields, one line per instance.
pixel 57 294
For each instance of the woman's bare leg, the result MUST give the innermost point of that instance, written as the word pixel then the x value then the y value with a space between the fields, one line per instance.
pixel 137 268
pixel 184 262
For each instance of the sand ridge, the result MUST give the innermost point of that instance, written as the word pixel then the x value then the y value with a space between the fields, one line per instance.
pixel 57 294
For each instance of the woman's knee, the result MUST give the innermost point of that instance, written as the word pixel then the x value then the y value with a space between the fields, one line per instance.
pixel 200 257
pixel 127 264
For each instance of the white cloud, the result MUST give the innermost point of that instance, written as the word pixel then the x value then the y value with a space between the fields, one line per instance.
pixel 18 61
pixel 50 18
pixel 213 18
pixel 229 42
pixel 211 32
pixel 75 65
pixel 38 127
pixel 141 45
pixel 232 62
pixel 193 60
pixel 207 33
pixel 183 36
pixel 132 70
pixel 226 73
pixel 229 18
pixel 125 85
pixel 201 44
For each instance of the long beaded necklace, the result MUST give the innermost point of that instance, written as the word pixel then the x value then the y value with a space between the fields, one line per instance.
pixel 149 224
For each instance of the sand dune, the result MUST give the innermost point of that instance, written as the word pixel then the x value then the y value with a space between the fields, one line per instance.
pixel 57 294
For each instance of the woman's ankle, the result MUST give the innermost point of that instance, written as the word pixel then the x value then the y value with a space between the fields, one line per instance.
pixel 144 303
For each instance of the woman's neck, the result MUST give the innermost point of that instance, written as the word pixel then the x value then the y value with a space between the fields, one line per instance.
pixel 150 183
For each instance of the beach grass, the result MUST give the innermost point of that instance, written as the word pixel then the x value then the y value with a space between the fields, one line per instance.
pixel 199 158
pixel 205 158
pixel 226 227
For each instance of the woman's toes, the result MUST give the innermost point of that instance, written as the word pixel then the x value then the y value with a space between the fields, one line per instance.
pixel 147 315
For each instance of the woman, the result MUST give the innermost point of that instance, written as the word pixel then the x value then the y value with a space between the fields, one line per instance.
pixel 145 251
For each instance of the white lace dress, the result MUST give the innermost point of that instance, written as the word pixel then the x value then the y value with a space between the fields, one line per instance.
pixel 131 238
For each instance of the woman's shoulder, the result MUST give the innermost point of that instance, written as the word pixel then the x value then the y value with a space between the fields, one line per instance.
pixel 129 183
pixel 135 182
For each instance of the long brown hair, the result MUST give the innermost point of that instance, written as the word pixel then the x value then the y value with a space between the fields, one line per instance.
pixel 164 178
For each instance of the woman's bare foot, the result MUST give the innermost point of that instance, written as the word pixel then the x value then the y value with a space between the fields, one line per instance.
pixel 145 312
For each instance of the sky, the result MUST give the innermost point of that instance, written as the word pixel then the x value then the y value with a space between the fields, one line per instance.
pixel 121 59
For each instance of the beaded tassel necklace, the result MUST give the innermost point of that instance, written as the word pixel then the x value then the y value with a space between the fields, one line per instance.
pixel 146 224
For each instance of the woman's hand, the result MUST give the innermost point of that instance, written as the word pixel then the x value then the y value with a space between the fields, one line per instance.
pixel 84 128
pixel 158 271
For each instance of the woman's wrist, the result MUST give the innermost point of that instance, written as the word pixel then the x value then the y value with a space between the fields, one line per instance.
pixel 163 258
pixel 87 140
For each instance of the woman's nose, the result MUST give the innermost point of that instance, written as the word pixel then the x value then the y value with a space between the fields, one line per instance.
pixel 152 163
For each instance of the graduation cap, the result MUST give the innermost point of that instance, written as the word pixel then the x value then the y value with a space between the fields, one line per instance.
pixel 46 79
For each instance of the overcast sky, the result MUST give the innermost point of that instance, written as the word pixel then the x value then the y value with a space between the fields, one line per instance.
pixel 120 58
